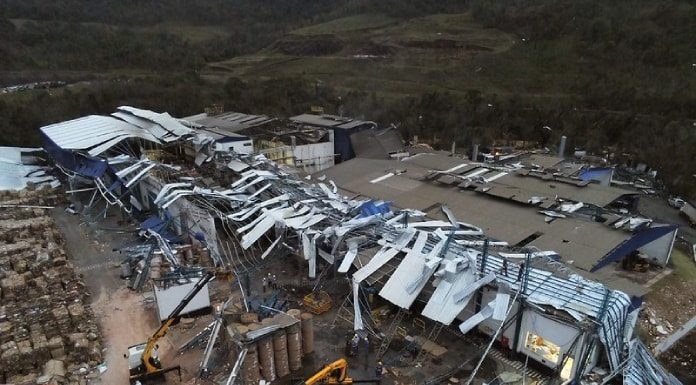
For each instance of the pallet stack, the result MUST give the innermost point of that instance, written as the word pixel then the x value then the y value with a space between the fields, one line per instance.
pixel 47 328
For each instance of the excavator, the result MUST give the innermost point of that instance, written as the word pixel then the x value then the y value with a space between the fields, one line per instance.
pixel 334 374
pixel 143 363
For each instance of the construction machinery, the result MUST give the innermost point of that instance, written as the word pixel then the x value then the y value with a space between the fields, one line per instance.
pixel 143 363
pixel 335 373
pixel 317 302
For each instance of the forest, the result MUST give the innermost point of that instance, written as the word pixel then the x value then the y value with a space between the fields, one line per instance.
pixel 627 70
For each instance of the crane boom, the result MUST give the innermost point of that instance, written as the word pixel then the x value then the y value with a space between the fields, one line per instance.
pixel 150 365
pixel 333 373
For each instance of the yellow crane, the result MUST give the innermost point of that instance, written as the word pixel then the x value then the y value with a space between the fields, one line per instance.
pixel 143 362
pixel 334 373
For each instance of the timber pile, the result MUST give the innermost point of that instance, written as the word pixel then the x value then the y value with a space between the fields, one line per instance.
pixel 48 332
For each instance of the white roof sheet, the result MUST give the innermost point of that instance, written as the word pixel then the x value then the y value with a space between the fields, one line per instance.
pixel 165 120
pixel 90 131
pixel 442 306
pixel 14 175
pixel 412 266
pixel 96 133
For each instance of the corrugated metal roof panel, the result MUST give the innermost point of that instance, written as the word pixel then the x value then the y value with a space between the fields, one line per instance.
pixel 316 120
pixel 164 119
pixel 144 124
pixel 354 124
pixel 92 130
pixel 643 369
pixel 442 306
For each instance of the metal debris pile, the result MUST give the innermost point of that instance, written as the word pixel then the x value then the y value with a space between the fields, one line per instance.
pixel 258 212
pixel 47 328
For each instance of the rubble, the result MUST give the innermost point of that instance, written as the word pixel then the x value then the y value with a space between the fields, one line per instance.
pixel 237 221
pixel 46 323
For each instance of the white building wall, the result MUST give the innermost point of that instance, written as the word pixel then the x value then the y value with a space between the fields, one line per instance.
pixel 314 157
pixel 199 221
pixel 557 332
pixel 168 299
pixel 554 331
pixel 489 326
pixel 659 250
pixel 240 147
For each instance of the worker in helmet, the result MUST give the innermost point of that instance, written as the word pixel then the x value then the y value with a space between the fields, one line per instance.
pixel 354 344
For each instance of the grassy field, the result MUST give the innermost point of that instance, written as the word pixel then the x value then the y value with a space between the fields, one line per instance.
pixel 381 54
pixel 348 24
pixel 396 58
pixel 187 32
pixel 683 265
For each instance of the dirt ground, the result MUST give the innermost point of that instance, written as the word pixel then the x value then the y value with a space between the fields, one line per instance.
pixel 670 304
pixel 125 318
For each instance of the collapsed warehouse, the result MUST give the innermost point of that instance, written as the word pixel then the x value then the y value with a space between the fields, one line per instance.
pixel 238 212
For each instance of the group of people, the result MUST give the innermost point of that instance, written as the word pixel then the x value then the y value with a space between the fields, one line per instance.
pixel 353 344
pixel 504 270
pixel 269 281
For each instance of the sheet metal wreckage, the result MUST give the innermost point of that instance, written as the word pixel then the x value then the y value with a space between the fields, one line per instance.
pixel 269 210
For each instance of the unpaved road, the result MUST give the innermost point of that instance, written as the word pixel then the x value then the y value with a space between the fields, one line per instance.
pixel 123 317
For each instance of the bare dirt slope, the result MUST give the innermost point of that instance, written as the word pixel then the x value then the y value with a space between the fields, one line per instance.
pixel 378 53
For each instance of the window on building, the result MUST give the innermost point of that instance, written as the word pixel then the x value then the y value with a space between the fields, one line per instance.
pixel 567 369
pixel 542 347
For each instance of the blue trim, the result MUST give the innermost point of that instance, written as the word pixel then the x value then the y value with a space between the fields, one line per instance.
pixel 84 165
pixel 635 303
pixel 371 208
pixel 161 227
pixel 342 144
pixel 597 173
pixel 639 239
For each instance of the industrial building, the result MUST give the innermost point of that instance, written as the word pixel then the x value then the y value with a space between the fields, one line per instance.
pixel 521 255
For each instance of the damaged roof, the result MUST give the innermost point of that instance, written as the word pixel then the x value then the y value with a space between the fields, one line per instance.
pixel 96 134
pixel 519 187
pixel 376 144
pixel 542 160
pixel 330 121
pixel 229 122
pixel 581 243
pixel 20 166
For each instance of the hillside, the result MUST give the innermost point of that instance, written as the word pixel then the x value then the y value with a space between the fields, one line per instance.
pixel 501 52
pixel 40 36
pixel 377 53
pixel 618 78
